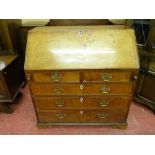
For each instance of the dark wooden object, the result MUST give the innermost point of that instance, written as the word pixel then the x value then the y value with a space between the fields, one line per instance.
pixel 145 86
pixel 10 42
pixel 10 36
pixel 76 22
pixel 11 80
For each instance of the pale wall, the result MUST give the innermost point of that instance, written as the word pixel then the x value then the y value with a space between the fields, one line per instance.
pixel 34 21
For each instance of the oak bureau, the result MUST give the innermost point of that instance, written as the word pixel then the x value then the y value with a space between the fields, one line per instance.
pixel 81 75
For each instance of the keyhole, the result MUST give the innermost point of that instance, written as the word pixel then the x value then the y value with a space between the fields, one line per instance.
pixel 80 33
pixel 81 99
pixel 81 112
pixel 81 87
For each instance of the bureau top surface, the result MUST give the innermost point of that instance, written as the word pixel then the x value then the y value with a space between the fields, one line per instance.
pixel 81 47
pixel 5 60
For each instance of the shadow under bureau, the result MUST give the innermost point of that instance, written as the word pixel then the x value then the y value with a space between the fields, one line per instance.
pixel 81 75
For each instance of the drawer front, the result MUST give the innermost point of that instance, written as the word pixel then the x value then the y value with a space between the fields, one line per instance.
pixel 54 76
pixel 107 102
pixel 77 89
pixel 106 76
pixel 71 116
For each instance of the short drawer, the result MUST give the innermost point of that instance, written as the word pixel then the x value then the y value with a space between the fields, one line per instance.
pixel 106 76
pixel 77 89
pixel 56 76
pixel 78 116
pixel 84 102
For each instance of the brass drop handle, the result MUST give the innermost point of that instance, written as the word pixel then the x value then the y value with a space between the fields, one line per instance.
pixel 104 103
pixel 105 89
pixel 61 115
pixel 106 76
pixel 56 77
pixel 58 90
pixel 59 103
pixel 102 115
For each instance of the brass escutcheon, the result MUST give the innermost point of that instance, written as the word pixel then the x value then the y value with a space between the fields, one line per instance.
pixel 81 86
pixel 105 89
pixel 81 112
pixel 56 76
pixel 81 99
pixel 106 76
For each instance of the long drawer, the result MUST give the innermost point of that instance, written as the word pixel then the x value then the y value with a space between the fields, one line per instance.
pixel 105 116
pixel 85 89
pixel 93 102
